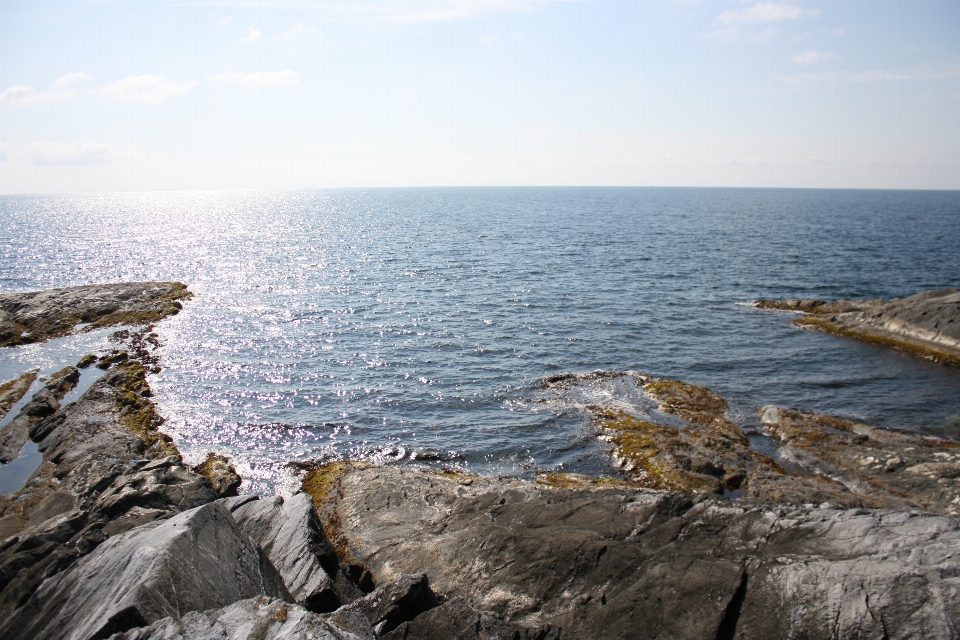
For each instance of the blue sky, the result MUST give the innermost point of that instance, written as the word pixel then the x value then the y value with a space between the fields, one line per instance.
pixel 100 95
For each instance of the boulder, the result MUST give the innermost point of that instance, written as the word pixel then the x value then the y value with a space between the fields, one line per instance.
pixel 289 532
pixel 457 620
pixel 398 601
pixel 221 474
pixel 261 618
pixel 196 561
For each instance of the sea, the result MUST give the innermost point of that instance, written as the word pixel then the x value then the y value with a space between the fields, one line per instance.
pixel 417 325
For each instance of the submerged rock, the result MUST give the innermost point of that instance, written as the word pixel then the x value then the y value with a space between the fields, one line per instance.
pixel 926 324
pixel 617 563
pixel 40 315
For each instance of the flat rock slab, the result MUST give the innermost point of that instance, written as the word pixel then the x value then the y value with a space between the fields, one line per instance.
pixel 616 563
pixel 196 561
pixel 926 324
pixel 40 315
pixel 260 618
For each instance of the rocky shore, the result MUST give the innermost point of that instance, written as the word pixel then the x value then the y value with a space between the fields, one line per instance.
pixel 926 324
pixel 840 530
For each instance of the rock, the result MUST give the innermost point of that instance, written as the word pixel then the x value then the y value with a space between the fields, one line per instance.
pixel 40 315
pixel 221 474
pixel 45 402
pixel 926 324
pixel 398 601
pixel 615 563
pixel 106 468
pixel 12 390
pixel 457 620
pixel 290 534
pixel 196 561
pixel 260 618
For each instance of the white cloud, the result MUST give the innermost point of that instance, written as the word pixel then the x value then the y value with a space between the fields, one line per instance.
pixel 64 82
pixel 252 35
pixel 765 12
pixel 24 96
pixel 809 57
pixel 258 79
pixel 146 89
pixel 490 39
pixel 430 10
pixel 300 30
pixel 80 152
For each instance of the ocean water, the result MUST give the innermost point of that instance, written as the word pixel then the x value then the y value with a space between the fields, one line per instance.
pixel 415 325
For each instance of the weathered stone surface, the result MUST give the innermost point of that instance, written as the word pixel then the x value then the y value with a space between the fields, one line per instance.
pixel 40 315
pixel 679 438
pixel 221 474
pixel 616 563
pixel 398 601
pixel 45 402
pixel 289 531
pixel 457 620
pixel 12 390
pixel 926 324
pixel 260 618
pixel 106 469
pixel 196 561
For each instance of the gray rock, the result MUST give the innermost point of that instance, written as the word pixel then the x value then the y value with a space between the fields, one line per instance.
pixel 260 618
pixel 289 531
pixel 196 561
pixel 12 390
pixel 398 601
pixel 45 402
pixel 39 315
pixel 457 620
pixel 620 563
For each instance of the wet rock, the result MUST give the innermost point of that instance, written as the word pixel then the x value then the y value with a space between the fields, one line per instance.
pixel 40 315
pixel 221 474
pixel 614 563
pixel 12 390
pixel 261 618
pixel 457 620
pixel 196 561
pixel 290 534
pixel 44 402
pixel 401 600
pixel 926 324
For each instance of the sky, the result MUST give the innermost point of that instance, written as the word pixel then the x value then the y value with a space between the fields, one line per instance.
pixel 106 95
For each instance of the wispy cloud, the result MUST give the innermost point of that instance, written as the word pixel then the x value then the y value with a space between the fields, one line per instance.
pixel 921 73
pixel 258 79
pixel 765 12
pixel 490 39
pixel 75 153
pixel 60 89
pixel 431 10
pixel 253 35
pixel 812 56
pixel 146 89
pixel 298 31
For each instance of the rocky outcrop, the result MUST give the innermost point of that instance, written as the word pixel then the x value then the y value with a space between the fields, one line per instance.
pixel 45 402
pixel 683 440
pixel 261 618
pixel 617 563
pixel 926 324
pixel 40 315
pixel 12 390
pixel 196 561
pixel 457 620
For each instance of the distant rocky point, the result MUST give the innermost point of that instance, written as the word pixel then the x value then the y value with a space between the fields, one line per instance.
pixel 41 315
pixel 926 324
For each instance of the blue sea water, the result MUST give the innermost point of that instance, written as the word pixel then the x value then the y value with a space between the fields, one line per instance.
pixel 405 325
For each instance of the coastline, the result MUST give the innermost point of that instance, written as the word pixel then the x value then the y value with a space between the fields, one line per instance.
pixel 406 552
